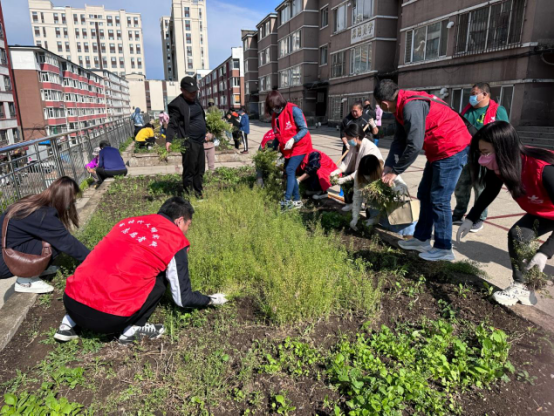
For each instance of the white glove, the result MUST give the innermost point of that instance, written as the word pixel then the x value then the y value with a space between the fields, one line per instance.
pixel 336 172
pixel 464 229
pixel 298 181
pixel 372 123
pixel 217 299
pixel 371 221
pixel 341 181
pixel 401 188
pixel 289 144
pixel 354 224
pixel 539 260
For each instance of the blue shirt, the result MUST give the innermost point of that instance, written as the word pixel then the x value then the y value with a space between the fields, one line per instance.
pixel 301 124
pixel 110 159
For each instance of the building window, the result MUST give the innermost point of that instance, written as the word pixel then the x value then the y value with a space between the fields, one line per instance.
pixel 289 78
pixel 189 51
pixel 35 16
pixel 67 46
pixel 86 46
pixel 39 43
pixel 131 49
pixel 236 82
pixel 110 34
pixel 290 44
pixel 139 63
pixel 361 58
pixel 237 99
pixel 11 108
pixel 324 55
pixel 121 63
pixel 136 21
pixel 138 49
pixel 267 28
pixel 188 38
pixel 187 25
pixel 77 33
pixel 65 33
pixel 60 47
pixel 426 42
pixel 362 10
pixel 187 12
pixel 37 31
pixel 324 17
pixel 58 33
pixel 137 35
pixel 56 21
pixel 340 18
pixel 7 84
pixel 112 48
pixel 490 28
pixel 338 64
pixel 63 18
pixel 85 34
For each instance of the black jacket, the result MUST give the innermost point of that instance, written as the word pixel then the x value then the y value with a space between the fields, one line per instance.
pixel 347 121
pixel 26 235
pixel 179 113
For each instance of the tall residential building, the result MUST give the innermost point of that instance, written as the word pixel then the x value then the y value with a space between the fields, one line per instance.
pixel 9 111
pixel 250 56
pixel 184 39
pixel 92 37
pixel 152 95
pixel 267 58
pixel 225 84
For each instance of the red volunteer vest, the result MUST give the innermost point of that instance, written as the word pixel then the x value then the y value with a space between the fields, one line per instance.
pixel 268 137
pixel 288 129
pixel 446 133
pixel 536 200
pixel 327 166
pixel 120 272
pixel 491 112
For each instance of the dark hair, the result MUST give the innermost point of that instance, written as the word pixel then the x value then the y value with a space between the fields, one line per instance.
pixel 103 144
pixel 148 125
pixel 354 130
pixel 371 166
pixel 369 103
pixel 176 207
pixel 483 86
pixel 274 100
pixel 357 104
pixel 508 150
pixel 61 195
pixel 386 90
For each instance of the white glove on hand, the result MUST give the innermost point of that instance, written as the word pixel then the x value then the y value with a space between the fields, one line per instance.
pixel 464 229
pixel 298 181
pixel 372 123
pixel 354 224
pixel 539 260
pixel 341 181
pixel 401 188
pixel 289 144
pixel 336 172
pixel 371 221
pixel 217 299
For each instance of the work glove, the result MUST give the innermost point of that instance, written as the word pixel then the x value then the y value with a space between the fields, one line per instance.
pixel 353 224
pixel 347 146
pixel 341 181
pixel 464 229
pixel 217 299
pixel 336 172
pixel 372 123
pixel 539 260
pixel 401 188
pixel 289 144
pixel 371 221
pixel 298 181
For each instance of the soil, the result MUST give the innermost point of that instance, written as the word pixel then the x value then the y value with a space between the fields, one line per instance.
pixel 531 351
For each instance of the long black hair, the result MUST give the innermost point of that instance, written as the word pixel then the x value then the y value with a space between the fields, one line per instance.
pixel 354 130
pixel 508 152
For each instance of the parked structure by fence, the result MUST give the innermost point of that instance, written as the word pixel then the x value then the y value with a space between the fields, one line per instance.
pixel 51 157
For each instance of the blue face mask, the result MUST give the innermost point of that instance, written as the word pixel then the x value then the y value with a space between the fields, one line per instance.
pixel 473 100
pixel 352 143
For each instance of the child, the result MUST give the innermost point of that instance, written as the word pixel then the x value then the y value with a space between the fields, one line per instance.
pixel 93 164
pixel 145 136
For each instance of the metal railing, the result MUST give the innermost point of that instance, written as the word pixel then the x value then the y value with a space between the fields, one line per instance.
pixel 30 167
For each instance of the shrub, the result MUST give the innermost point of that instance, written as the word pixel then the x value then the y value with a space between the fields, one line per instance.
pixel 267 164
pixel 216 125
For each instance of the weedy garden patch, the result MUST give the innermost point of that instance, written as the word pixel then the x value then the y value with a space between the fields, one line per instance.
pixel 321 321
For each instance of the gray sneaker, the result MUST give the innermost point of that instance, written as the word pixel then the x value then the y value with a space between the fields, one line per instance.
pixel 477 226
pixel 150 331
pixel 415 244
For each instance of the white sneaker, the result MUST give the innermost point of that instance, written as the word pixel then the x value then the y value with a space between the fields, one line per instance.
pixel 437 254
pixel 517 292
pixel 32 285
pixel 415 244
pixel 50 270
pixel 347 208
pixel 321 196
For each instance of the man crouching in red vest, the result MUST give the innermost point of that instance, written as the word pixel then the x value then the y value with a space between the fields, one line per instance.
pixel 117 287
pixel 425 122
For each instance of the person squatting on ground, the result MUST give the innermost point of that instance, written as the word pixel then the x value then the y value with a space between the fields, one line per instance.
pixel 294 142
pixel 47 216
pixel 359 117
pixel 315 170
pixel 369 170
pixel 145 136
pixel 93 164
pixel 117 288
pixel 527 172
pixel 188 122
pixel 480 110
pixel 424 122
pixel 359 146
pixel 110 163
pixel 164 119
pixel 245 129
pixel 138 120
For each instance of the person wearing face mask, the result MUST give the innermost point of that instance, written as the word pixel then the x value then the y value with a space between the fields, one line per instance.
pixel 316 169
pixel 360 146
pixel 360 117
pixel 527 173
pixel 294 141
pixel 480 110
pixel 117 288
pixel 425 122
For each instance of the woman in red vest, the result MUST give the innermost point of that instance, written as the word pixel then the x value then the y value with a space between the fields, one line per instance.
pixel 316 169
pixel 294 141
pixel 527 173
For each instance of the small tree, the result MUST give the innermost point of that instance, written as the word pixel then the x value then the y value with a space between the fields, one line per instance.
pixel 216 125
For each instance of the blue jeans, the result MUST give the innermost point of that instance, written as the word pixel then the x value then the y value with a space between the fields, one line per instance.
pixel 291 166
pixel 434 192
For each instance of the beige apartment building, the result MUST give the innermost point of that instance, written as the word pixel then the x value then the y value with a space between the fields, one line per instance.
pixel 92 37
pixel 151 95
pixel 184 37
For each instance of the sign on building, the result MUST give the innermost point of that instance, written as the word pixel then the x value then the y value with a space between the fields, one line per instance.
pixel 362 32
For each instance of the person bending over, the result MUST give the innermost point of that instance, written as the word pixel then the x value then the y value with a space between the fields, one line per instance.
pixel 316 169
pixel 527 173
pixel 110 163
pixel 119 285
pixel 145 136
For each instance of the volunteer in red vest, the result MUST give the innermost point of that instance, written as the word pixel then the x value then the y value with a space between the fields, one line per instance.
pixel 527 172
pixel 481 110
pixel 316 169
pixel 294 141
pixel 117 288
pixel 425 122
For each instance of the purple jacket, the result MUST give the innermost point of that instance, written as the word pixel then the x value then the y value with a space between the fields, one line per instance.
pixel 93 164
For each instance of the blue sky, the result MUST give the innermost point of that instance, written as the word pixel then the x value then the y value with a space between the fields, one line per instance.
pixel 225 21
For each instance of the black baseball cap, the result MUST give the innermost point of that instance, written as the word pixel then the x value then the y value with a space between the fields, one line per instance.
pixel 189 84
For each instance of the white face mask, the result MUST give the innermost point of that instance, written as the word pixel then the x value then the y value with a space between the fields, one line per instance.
pixel 367 178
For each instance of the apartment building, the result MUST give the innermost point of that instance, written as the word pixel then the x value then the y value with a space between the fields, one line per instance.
pixel 446 47
pixel 92 37
pixel 250 70
pixel 9 111
pixel 225 84
pixel 268 55
pixel 116 90
pixel 151 95
pixel 184 37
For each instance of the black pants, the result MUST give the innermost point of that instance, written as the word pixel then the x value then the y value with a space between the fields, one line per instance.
pixel 236 140
pixel 193 167
pixel 525 230
pixel 150 140
pixel 245 141
pixel 137 130
pixel 104 323
pixel 103 174
pixel 313 182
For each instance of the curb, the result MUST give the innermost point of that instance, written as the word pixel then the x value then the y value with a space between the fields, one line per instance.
pixel 13 314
